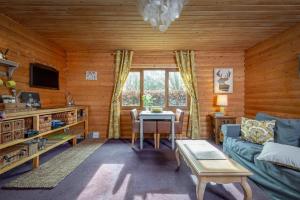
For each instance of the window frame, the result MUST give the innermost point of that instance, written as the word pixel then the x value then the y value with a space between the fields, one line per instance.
pixel 166 100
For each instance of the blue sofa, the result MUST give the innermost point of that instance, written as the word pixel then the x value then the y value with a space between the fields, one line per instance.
pixel 280 183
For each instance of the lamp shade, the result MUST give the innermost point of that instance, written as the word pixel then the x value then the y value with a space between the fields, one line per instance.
pixel 222 100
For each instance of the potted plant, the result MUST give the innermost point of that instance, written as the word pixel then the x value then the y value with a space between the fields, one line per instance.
pixel 148 101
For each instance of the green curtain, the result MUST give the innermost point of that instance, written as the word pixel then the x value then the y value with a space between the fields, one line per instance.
pixel 186 63
pixel 123 61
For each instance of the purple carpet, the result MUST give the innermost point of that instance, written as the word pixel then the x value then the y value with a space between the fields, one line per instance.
pixel 117 171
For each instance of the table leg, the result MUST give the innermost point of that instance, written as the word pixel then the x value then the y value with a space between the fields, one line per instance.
pixel 173 133
pixel 141 133
pixel 177 158
pixel 200 189
pixel 247 189
pixel 155 141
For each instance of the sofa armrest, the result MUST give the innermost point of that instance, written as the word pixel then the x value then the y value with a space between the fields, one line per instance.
pixel 231 130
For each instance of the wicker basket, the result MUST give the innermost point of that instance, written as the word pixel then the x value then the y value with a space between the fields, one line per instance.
pixel 12 154
pixel 45 123
pixel 6 137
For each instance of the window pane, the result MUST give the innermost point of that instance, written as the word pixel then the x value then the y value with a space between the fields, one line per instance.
pixel 154 84
pixel 131 90
pixel 177 92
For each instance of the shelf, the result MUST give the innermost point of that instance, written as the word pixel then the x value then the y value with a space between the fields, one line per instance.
pixel 8 63
pixel 8 144
pixel 24 160
pixel 56 144
pixel 12 66
pixel 24 114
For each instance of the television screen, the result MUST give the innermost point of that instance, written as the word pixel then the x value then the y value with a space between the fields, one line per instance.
pixel 43 76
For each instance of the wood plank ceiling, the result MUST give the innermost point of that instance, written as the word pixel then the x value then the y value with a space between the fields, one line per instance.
pixel 111 24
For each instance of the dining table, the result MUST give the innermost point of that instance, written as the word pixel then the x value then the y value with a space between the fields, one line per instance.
pixel 156 116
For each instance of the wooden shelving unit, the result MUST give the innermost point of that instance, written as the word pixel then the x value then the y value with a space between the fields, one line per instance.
pixel 35 156
pixel 52 143
pixel 8 144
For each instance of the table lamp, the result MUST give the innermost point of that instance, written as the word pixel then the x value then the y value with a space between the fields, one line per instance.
pixel 222 101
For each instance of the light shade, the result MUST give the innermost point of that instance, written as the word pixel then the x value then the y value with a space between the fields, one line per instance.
pixel 222 100
pixel 160 13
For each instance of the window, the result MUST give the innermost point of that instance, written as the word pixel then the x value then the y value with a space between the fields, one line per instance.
pixel 177 93
pixel 132 90
pixel 165 86
pixel 154 84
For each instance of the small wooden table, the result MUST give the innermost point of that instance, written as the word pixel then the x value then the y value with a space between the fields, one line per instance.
pixel 217 122
pixel 208 170
pixel 165 115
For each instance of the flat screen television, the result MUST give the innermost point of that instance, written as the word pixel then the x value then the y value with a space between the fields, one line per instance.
pixel 43 76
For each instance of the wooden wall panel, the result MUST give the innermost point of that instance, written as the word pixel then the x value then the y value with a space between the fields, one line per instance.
pixel 206 62
pixel 27 47
pixel 97 94
pixel 272 81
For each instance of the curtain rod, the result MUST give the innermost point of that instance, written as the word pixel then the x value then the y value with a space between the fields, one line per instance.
pixel 174 51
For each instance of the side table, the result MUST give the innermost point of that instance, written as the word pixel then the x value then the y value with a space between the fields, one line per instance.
pixel 217 122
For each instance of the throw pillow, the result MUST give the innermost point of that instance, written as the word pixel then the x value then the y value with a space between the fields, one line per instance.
pixel 256 131
pixel 281 154
pixel 287 131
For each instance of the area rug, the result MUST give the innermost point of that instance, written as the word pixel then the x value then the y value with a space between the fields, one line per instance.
pixel 51 173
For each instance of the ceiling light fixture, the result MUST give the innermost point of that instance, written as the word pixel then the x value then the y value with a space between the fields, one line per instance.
pixel 160 13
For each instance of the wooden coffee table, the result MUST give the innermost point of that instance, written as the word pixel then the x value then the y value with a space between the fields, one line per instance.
pixel 215 170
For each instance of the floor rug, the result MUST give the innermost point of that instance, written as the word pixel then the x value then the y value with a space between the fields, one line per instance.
pixel 51 173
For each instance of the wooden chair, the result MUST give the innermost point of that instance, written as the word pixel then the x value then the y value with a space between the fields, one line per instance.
pixel 149 127
pixel 165 126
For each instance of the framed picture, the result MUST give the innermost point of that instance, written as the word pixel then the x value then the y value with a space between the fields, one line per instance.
pixel 223 80
pixel 91 75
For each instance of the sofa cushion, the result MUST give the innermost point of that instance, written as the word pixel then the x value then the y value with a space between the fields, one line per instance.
pixel 244 149
pixel 281 154
pixel 287 131
pixel 257 131
pixel 231 130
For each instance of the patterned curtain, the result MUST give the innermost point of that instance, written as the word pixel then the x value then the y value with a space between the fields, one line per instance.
pixel 122 68
pixel 186 63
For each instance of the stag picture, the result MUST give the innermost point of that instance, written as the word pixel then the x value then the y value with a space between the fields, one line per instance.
pixel 223 80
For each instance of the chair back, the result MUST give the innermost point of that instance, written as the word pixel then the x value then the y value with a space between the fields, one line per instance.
pixel 134 115
pixel 179 118
pixel 134 120
pixel 179 115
